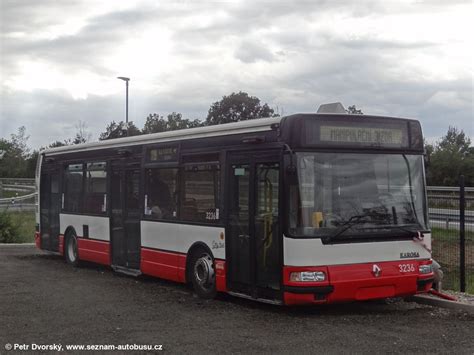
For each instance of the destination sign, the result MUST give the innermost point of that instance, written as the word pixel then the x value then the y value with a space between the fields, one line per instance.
pixel 163 154
pixel 364 135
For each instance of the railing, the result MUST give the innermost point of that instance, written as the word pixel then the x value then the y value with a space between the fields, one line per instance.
pixel 20 203
pixel 18 181
pixel 451 214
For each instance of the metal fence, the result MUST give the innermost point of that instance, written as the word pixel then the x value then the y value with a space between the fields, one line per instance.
pixel 451 213
pixel 18 194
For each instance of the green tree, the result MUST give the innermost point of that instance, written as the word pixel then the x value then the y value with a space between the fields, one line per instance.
pixel 82 134
pixel 119 130
pixel 237 107
pixel 451 157
pixel 14 154
pixel 352 110
pixel 155 123
pixel 176 121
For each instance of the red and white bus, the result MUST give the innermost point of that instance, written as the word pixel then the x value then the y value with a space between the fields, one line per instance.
pixel 302 209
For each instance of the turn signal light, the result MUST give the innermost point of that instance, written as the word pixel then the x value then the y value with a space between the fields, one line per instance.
pixel 425 269
pixel 308 276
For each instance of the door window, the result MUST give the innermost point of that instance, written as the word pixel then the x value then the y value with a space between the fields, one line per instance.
pixel 161 192
pixel 266 225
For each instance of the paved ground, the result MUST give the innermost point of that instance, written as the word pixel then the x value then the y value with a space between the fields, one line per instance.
pixel 45 301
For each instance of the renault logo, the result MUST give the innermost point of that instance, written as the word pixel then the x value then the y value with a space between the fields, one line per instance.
pixel 376 270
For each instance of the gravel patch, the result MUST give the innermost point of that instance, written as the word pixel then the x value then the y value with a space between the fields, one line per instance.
pixel 45 301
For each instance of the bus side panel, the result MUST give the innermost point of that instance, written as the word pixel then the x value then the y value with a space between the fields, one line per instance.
pixel 94 250
pixel 160 263
pixel 94 247
pixel 61 244
pixel 165 247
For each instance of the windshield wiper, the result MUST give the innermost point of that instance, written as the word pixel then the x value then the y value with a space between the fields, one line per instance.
pixel 352 221
pixel 403 227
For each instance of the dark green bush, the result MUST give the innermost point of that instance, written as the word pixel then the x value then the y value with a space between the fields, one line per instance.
pixel 9 230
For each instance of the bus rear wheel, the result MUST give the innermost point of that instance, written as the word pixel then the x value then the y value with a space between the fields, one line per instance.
pixel 202 273
pixel 70 249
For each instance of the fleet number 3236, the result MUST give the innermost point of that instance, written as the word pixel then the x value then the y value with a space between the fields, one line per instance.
pixel 406 268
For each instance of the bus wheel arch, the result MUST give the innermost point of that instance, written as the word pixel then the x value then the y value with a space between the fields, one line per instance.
pixel 70 246
pixel 200 270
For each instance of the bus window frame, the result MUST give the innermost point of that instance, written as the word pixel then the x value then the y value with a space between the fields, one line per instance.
pixel 219 196
pixel 65 166
pixel 65 163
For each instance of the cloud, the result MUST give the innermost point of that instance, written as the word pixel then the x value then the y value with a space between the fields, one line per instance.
pixel 59 61
pixel 251 51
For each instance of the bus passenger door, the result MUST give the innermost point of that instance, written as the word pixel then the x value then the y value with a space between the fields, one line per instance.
pixel 253 232
pixel 49 209
pixel 125 217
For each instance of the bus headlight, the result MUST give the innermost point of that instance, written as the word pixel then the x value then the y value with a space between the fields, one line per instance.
pixel 425 269
pixel 308 276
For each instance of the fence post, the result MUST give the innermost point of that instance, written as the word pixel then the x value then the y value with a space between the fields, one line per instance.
pixel 462 236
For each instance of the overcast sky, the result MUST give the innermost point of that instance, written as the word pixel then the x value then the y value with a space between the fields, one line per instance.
pixel 60 60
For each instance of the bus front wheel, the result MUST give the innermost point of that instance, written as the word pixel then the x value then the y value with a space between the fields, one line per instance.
pixel 203 275
pixel 71 253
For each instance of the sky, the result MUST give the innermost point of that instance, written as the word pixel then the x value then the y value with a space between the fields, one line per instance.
pixel 60 60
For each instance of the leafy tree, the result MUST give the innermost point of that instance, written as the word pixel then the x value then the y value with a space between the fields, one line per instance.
pixel 237 107
pixel 352 110
pixel 119 130
pixel 155 123
pixel 82 134
pixel 176 121
pixel 14 154
pixel 31 164
pixel 449 158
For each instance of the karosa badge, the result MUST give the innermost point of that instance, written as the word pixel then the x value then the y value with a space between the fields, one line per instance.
pixel 409 254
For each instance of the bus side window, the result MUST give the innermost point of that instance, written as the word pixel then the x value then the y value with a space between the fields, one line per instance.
pixel 95 199
pixel 201 193
pixel 73 188
pixel 160 192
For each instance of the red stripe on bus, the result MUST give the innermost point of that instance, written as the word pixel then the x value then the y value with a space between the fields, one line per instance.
pixel 38 240
pixel 61 244
pixel 220 275
pixel 97 251
pixel 162 264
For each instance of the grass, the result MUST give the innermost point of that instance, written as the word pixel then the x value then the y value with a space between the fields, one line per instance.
pixel 26 222
pixel 446 251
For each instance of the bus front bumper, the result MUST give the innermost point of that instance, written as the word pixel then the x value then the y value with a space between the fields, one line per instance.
pixel 358 282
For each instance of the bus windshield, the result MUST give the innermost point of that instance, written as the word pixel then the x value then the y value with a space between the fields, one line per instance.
pixel 351 195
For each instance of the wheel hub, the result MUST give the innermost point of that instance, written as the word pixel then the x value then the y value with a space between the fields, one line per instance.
pixel 204 271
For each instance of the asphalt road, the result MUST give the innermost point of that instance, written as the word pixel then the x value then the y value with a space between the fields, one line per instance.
pixel 45 301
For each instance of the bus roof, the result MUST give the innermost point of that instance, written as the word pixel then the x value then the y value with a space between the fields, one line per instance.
pixel 242 127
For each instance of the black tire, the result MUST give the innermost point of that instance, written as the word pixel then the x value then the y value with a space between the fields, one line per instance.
pixel 202 273
pixel 70 249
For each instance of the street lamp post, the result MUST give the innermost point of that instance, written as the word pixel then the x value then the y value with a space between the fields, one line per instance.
pixel 126 98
